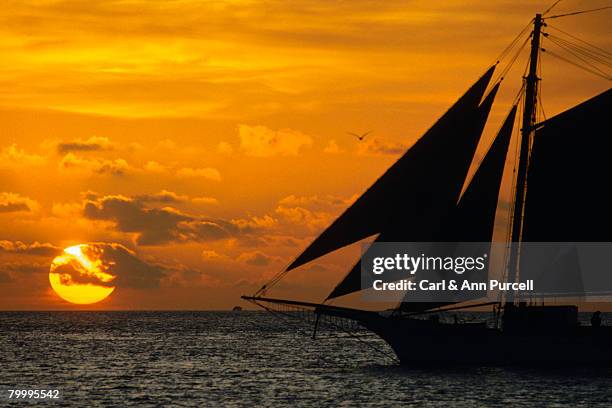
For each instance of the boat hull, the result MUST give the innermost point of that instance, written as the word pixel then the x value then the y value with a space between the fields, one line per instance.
pixel 418 342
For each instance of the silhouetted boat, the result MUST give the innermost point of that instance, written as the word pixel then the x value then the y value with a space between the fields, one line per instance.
pixel 566 159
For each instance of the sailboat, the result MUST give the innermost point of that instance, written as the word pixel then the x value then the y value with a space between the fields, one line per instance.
pixel 564 160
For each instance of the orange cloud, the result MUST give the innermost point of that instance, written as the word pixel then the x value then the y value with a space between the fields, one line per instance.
pixel 13 156
pixel 94 143
pixel 206 172
pixel 35 248
pixel 380 147
pixel 261 141
pixel 332 148
pixel 204 200
pixel 13 202
pixel 155 167
pixel 158 226
pixel 225 148
pixel 257 258
pixel 115 167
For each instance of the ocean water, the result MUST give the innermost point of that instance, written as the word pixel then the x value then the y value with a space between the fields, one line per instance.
pixel 250 359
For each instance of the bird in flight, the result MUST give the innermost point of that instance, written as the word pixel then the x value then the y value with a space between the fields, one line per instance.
pixel 361 136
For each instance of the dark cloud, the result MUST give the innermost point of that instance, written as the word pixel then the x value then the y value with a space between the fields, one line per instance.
pixel 35 248
pixel 90 195
pixel 160 225
pixel 380 147
pixel 32 275
pixel 164 197
pixel 128 269
pixel 23 267
pixel 13 202
pixel 131 271
pixel 154 226
pixel 256 258
pixel 92 144
pixel 115 167
pixel 13 207
pixel 315 202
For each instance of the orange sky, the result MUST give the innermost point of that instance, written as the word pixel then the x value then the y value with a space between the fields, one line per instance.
pixel 209 137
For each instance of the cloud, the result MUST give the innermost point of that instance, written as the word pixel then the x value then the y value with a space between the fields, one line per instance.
pixel 67 210
pixel 155 167
pixel 261 141
pixel 256 223
pixel 327 202
pixel 13 202
pixel 5 277
pixel 332 148
pixel 115 167
pixel 12 155
pixel 94 143
pixel 256 258
pixel 131 271
pixel 128 269
pixel 206 172
pixel 313 213
pixel 36 248
pixel 12 271
pixel 155 226
pixel 164 197
pixel 204 200
pixel 312 220
pixel 376 147
pixel 225 148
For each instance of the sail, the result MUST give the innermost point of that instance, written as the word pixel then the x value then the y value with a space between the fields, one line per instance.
pixel 567 201
pixel 561 274
pixel 427 231
pixel 569 176
pixel 427 163
pixel 474 217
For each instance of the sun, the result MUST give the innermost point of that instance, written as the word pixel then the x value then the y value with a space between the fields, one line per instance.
pixel 80 276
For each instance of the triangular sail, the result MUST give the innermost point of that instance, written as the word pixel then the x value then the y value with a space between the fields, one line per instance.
pixel 474 217
pixel 567 198
pixel 427 228
pixel 569 176
pixel 429 162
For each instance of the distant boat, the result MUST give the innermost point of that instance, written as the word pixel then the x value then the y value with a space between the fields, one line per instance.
pixel 237 309
pixel 567 160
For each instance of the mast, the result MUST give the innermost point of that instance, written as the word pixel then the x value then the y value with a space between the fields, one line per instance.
pixel 529 119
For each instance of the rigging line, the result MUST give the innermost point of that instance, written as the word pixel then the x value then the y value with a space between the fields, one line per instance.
pixel 540 84
pixel 604 60
pixel 581 59
pixel 514 41
pixel 578 12
pixel 373 347
pixel 516 99
pixel 508 66
pixel 275 279
pixel 279 275
pixel 285 317
pixel 271 282
pixel 577 65
pixel 517 150
pixel 551 7
pixel 579 39
pixel 593 52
